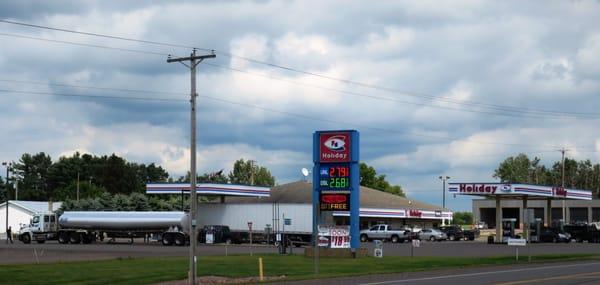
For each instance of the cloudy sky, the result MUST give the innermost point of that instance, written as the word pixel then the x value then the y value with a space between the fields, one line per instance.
pixel 434 87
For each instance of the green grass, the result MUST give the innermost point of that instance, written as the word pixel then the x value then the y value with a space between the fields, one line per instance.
pixel 153 270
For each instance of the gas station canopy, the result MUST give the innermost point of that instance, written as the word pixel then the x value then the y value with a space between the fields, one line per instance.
pixel 515 191
pixel 209 189
pixel 524 192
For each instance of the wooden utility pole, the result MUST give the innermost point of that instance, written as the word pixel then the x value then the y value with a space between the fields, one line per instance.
pixel 194 61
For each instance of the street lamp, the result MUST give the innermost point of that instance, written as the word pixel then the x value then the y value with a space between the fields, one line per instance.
pixel 7 165
pixel 444 178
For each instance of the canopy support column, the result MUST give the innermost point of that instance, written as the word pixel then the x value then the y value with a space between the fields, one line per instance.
pixel 526 219
pixel 548 219
pixel 498 220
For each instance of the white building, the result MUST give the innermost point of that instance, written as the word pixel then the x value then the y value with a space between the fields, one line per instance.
pixel 21 212
pixel 293 202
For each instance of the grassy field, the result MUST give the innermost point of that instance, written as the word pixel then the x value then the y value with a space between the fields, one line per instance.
pixel 153 270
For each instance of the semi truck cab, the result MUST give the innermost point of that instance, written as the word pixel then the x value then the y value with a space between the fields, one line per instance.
pixel 43 226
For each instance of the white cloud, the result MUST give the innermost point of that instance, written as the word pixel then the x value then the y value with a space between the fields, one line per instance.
pixel 500 54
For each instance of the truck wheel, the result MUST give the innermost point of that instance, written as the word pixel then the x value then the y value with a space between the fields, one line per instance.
pixel 364 238
pixel 167 239
pixel 228 241
pixel 87 238
pixel 395 239
pixel 63 237
pixel 179 240
pixel 26 238
pixel 74 238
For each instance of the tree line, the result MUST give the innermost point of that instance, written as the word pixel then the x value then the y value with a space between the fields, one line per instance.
pixel 578 174
pixel 38 178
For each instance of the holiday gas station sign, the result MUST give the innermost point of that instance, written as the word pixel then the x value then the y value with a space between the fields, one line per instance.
pixel 336 181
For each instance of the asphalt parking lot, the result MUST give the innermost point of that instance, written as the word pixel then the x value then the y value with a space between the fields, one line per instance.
pixel 53 252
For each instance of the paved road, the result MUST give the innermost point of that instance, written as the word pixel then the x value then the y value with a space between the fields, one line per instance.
pixel 52 251
pixel 477 249
pixel 548 274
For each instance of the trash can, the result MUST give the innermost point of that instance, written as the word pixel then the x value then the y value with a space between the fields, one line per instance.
pixel 490 240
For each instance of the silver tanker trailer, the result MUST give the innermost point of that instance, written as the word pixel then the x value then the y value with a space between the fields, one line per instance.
pixel 86 227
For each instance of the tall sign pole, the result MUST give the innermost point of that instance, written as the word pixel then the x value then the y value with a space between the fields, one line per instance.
pixel 194 61
pixel 335 181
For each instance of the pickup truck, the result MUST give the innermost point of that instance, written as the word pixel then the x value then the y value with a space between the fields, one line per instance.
pixel 453 232
pixel 384 232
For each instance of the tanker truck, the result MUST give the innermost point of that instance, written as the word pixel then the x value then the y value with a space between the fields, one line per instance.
pixel 86 227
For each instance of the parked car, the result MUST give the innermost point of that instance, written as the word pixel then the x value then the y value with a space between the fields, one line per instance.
pixel 453 232
pixel 583 232
pixel 554 235
pixel 413 232
pixel 481 225
pixel 471 234
pixel 432 235
pixel 384 232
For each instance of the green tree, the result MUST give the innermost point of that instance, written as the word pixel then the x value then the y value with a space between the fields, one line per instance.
pixel 462 218
pixel 249 173
pixel 514 169
pixel 86 190
pixel 32 174
pixel 369 178
pixel 213 177
pixel 578 174
pixel 3 190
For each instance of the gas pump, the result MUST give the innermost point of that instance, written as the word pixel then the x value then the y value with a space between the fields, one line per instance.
pixel 534 230
pixel 508 229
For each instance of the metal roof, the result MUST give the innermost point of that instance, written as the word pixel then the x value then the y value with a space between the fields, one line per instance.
pixel 34 206
pixel 301 192
pixel 208 189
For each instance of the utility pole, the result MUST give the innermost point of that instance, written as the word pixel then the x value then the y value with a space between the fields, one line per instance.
pixel 78 186
pixel 252 172
pixel 564 208
pixel 7 164
pixel 194 61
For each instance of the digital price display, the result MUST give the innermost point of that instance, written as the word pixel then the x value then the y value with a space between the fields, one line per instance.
pixel 334 177
pixel 335 202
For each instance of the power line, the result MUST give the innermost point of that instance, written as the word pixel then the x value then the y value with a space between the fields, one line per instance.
pixel 92 96
pixel 308 85
pixel 514 113
pixel 510 113
pixel 292 114
pixel 372 86
pixel 92 87
pixel 84 44
pixel 99 35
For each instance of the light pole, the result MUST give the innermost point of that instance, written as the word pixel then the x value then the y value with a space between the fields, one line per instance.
pixel 564 208
pixel 7 165
pixel 443 178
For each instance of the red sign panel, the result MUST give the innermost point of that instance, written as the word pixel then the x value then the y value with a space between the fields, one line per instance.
pixel 559 191
pixel 415 213
pixel 335 202
pixel 334 147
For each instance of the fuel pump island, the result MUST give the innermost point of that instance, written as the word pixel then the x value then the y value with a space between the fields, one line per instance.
pixel 524 192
